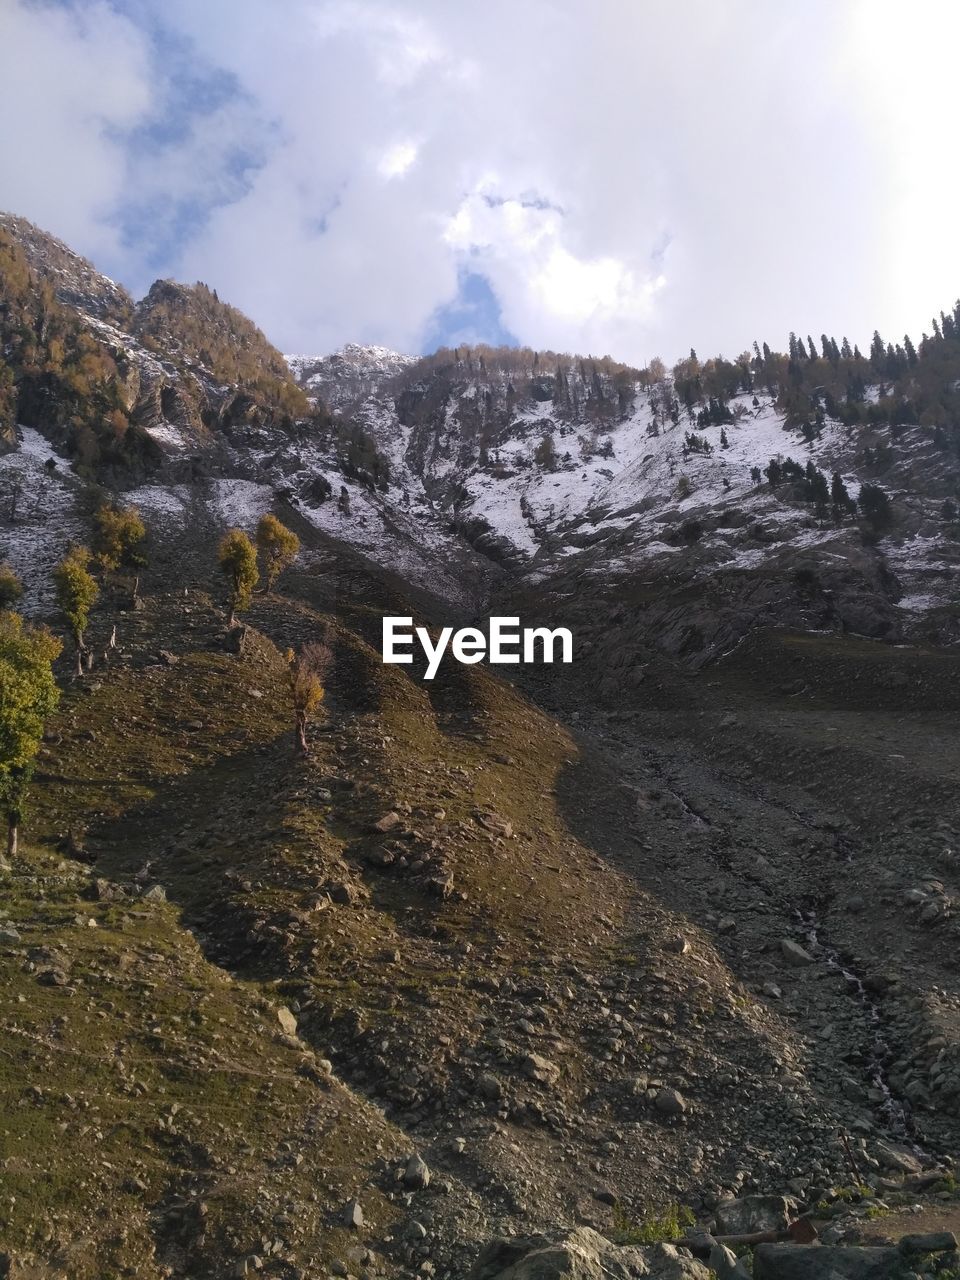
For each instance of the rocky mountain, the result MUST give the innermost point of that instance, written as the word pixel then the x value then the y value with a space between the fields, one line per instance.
pixel 608 969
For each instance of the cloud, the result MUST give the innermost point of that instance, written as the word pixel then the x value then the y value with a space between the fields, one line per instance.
pixel 651 178
pixel 71 81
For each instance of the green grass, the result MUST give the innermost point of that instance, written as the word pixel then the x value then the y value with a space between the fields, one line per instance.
pixel 669 1223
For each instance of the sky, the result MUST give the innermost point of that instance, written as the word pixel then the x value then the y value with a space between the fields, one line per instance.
pixel 610 177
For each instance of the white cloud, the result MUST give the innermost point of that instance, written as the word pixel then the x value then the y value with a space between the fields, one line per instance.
pixel 70 79
pixel 637 180
pixel 396 160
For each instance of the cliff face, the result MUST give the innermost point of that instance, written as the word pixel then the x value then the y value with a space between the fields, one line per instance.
pixel 107 379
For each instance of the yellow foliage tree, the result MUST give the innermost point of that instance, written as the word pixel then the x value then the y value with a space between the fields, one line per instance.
pixel 307 672
pixel 237 558
pixel 28 695
pixel 278 545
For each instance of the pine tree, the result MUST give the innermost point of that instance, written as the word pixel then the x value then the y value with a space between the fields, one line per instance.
pixel 875 505
pixel 839 497
pixel 774 473
pixel 878 352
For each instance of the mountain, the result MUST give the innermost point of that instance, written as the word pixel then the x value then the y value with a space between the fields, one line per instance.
pixel 521 971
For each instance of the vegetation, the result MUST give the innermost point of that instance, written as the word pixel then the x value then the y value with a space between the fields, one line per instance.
pixel 77 592
pixel 192 322
pixel 11 588
pixel 278 547
pixel 655 1228
pixel 545 454
pixel 916 386
pixel 28 695
pixel 360 459
pixel 237 557
pixel 55 373
pixel 118 531
pixel 308 671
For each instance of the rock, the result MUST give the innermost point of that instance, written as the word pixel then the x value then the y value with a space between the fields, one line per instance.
pixel 417 1174
pixel 288 1023
pixel 896 1158
pixel 823 1262
pixel 387 822
pixel 8 935
pixel 582 1254
pixel 670 1103
pixel 748 1214
pixel 794 954
pixel 156 893
pixel 725 1264
pixel 441 886
pixel 772 990
pixel 342 893
pixel 106 890
pixel 167 658
pixel 489 1087
pixel 352 1215
pixel 928 1242
pixel 540 1069
pixel 678 945
pixel 53 976
pixel 493 822
pixel 727 924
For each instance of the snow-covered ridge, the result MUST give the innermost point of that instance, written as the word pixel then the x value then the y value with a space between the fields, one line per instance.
pixel 364 360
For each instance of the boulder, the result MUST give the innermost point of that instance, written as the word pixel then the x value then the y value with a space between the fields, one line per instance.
pixel 824 1262
pixel 540 1069
pixel 669 1102
pixel 928 1242
pixel 794 954
pixel 582 1254
pixel 750 1214
pixel 417 1174
pixel 288 1023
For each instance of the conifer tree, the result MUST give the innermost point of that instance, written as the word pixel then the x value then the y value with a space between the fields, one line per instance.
pixel 839 497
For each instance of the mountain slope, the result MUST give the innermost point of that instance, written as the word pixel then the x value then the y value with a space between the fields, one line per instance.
pixel 673 924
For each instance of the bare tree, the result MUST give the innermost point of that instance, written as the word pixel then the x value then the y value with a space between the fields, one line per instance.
pixel 308 671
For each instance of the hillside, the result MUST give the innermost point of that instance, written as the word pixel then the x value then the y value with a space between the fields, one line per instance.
pixel 505 960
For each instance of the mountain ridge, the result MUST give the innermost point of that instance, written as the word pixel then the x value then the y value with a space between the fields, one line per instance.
pixel 662 938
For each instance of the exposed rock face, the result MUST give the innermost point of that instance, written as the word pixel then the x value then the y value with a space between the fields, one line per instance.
pixel 583 1254
pixel 76 282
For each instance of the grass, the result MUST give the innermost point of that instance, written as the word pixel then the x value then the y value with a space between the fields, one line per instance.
pixel 670 1223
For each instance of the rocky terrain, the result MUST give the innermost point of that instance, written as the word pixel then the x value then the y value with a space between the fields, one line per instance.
pixel 601 970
